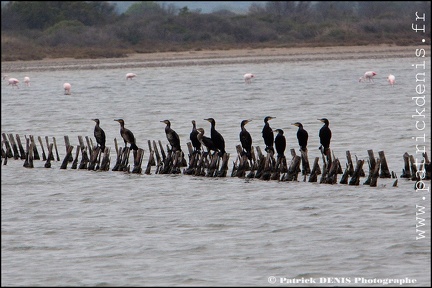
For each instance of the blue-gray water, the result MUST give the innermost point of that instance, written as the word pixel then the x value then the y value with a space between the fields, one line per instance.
pixel 86 228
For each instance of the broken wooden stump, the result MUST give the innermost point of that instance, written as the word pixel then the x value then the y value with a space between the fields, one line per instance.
pixel 355 179
pixel 138 161
pixel 385 173
pixel 375 174
pixel 50 154
pixel 316 170
pixel 67 157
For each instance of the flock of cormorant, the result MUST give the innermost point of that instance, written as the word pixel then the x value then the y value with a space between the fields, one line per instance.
pixel 216 142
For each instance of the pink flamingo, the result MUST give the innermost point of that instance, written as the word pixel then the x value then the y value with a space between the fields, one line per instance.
pixel 248 77
pixel 67 88
pixel 13 82
pixel 130 76
pixel 368 76
pixel 391 79
pixel 27 81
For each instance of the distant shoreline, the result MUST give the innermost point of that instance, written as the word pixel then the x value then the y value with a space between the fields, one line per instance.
pixel 215 57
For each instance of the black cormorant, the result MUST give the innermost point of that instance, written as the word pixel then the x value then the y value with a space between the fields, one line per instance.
pixel 267 134
pixel 127 135
pixel 216 137
pixel 172 136
pixel 302 136
pixel 280 143
pixel 99 134
pixel 206 141
pixel 325 136
pixel 246 139
pixel 193 137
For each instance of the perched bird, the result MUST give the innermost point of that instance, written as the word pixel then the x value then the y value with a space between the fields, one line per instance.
pixel 127 135
pixel 27 81
pixel 99 134
pixel 280 143
pixel 130 76
pixel 302 136
pixel 216 137
pixel 67 88
pixel 246 139
pixel 325 135
pixel 13 82
pixel 172 136
pixel 206 141
pixel 267 134
pixel 248 77
pixel 368 76
pixel 391 79
pixel 194 137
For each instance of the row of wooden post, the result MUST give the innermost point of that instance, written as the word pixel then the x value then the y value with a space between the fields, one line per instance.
pixel 264 167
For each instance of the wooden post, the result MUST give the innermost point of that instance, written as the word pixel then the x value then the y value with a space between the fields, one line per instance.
pixel 105 162
pixel 48 161
pixel 333 171
pixel 75 161
pixel 414 175
pixel 8 147
pixel 375 174
pixel 372 164
pixel 385 173
pixel 316 170
pixel 35 152
pixel 355 179
pixel 67 144
pixel 16 155
pixel 350 167
pixel 29 161
pixel 224 166
pixel 84 157
pixel 55 146
pixel 305 162
pixel 93 158
pixel 118 160
pixel 406 171
pixel 138 161
pixel 293 170
pixel 43 150
pixel 22 152
pixel 67 157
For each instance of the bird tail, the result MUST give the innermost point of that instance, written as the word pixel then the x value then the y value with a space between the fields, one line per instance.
pixel 133 146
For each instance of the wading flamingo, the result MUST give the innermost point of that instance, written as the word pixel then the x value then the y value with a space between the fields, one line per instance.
pixel 27 81
pixel 248 77
pixel 368 76
pixel 13 82
pixel 67 88
pixel 391 79
pixel 130 76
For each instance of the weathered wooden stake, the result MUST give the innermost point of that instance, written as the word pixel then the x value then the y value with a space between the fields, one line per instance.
pixel 375 174
pixel 22 152
pixel 35 151
pixel 75 161
pixel 8 147
pixel 50 154
pixel 16 155
pixel 138 161
pixel 43 150
pixel 55 146
pixel 355 179
pixel 385 173
pixel 316 170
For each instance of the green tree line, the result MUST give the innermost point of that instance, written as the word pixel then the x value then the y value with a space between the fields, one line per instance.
pixel 92 29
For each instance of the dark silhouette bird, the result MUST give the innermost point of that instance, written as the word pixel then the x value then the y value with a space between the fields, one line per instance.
pixel 127 135
pixel 193 137
pixel 267 134
pixel 216 137
pixel 246 139
pixel 206 141
pixel 172 136
pixel 99 134
pixel 325 135
pixel 302 136
pixel 280 143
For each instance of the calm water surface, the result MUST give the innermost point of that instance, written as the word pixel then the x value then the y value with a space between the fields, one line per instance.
pixel 87 228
